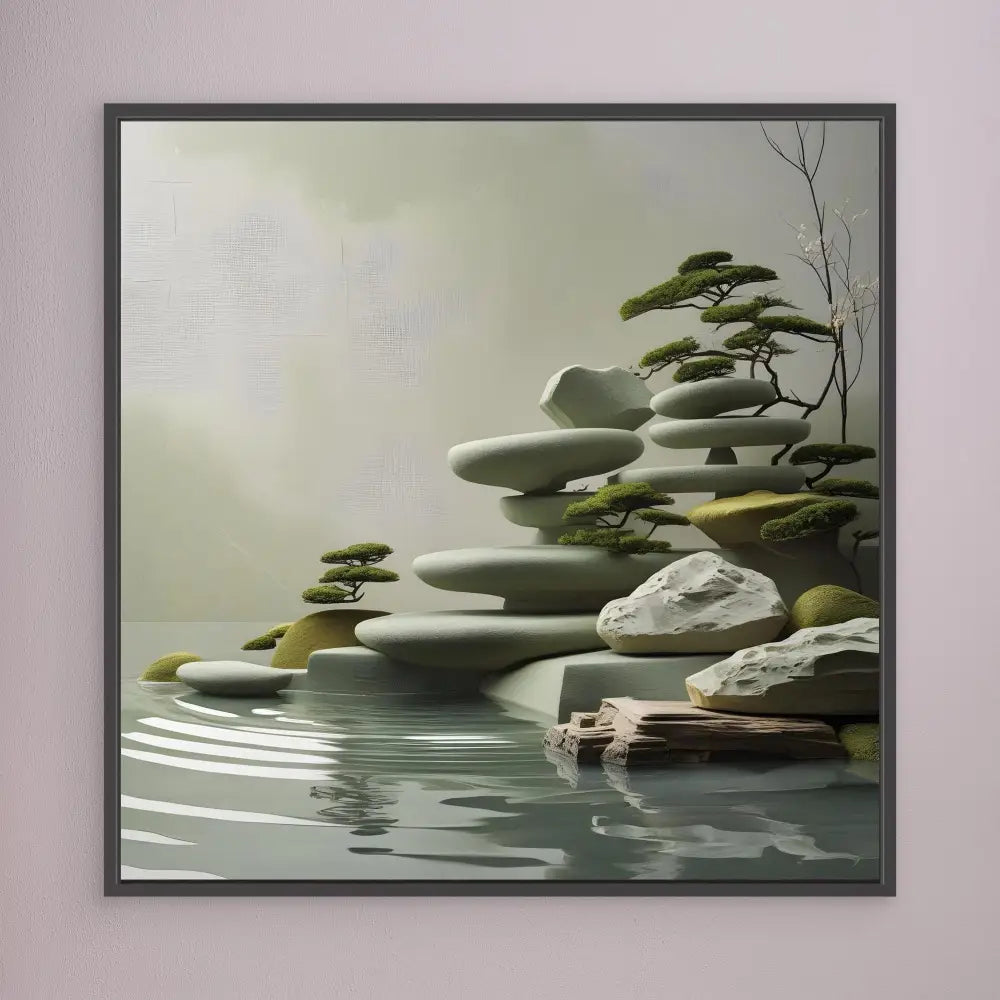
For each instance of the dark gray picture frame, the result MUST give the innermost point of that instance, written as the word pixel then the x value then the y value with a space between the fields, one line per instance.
pixel 116 114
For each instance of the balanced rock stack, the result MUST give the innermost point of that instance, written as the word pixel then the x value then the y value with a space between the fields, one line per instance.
pixel 701 417
pixel 551 593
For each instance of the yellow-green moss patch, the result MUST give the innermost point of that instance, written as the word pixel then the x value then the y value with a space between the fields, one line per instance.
pixel 830 605
pixel 738 520
pixel 165 668
pixel 862 740
pixel 323 630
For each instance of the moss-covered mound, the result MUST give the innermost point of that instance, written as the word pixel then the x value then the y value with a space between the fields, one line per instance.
pixel 862 740
pixel 830 605
pixel 323 630
pixel 738 520
pixel 165 668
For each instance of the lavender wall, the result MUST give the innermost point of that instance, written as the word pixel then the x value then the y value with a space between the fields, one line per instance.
pixel 60 62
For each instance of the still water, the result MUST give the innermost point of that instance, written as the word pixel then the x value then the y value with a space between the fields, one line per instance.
pixel 382 787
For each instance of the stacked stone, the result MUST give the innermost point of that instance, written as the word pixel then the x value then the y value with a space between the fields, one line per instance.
pixel 551 593
pixel 701 417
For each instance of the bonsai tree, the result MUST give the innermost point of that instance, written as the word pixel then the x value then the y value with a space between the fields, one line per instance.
pixel 613 505
pixel 830 456
pixel 353 567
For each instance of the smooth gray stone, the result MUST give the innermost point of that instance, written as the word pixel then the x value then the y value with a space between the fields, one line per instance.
pixel 553 687
pixel 234 678
pixel 545 510
pixel 713 396
pixel 359 670
pixel 596 397
pixel 541 578
pixel 732 432
pixel 477 641
pixel 733 479
pixel 544 461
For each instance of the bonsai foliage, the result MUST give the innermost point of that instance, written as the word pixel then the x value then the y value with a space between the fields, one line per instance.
pixel 835 487
pixel 269 639
pixel 829 515
pixel 710 283
pixel 613 505
pixel 710 367
pixel 353 567
pixel 829 456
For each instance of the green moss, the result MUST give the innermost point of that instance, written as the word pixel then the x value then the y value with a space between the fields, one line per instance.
pixel 676 350
pixel 705 259
pixel 862 740
pixel 830 605
pixel 793 324
pixel 265 641
pixel 165 668
pixel 619 540
pixel 279 630
pixel 326 593
pixel 702 368
pixel 834 487
pixel 828 515
pixel 830 454
pixel 362 552
pixel 329 629
pixel 359 574
pixel 738 520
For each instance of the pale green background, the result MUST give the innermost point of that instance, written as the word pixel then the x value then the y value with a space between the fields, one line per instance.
pixel 313 313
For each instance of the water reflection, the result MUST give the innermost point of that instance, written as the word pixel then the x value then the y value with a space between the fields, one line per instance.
pixel 411 788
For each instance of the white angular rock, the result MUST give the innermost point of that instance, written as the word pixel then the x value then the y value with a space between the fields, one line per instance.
pixel 234 678
pixel 596 397
pixel 829 670
pixel 699 604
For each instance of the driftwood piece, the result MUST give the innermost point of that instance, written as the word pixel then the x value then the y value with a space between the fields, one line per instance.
pixel 627 731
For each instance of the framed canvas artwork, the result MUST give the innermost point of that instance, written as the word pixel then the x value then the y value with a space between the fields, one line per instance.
pixel 500 499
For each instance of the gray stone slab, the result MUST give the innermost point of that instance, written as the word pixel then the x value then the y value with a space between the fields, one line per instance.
pixel 733 432
pixel 544 461
pixel 734 479
pixel 711 397
pixel 553 687
pixel 541 577
pixel 477 641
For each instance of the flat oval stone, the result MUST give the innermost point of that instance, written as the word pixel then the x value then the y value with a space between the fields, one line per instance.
pixel 234 678
pixel 479 641
pixel 544 511
pixel 733 432
pixel 719 478
pixel 544 461
pixel 541 578
pixel 712 396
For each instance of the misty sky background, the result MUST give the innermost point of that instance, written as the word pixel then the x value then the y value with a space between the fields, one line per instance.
pixel 314 312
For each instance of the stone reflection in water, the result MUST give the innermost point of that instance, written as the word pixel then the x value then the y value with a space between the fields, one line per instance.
pixel 358 802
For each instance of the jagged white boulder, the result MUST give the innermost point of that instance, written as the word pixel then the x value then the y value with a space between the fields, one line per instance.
pixel 828 670
pixel 699 604
pixel 596 397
